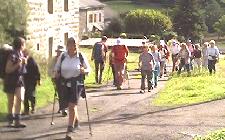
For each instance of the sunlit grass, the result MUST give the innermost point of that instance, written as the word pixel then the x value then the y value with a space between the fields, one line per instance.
pixel 200 87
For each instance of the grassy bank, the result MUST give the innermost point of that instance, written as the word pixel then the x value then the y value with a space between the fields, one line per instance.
pixel 217 135
pixel 126 5
pixel 200 87
pixel 45 92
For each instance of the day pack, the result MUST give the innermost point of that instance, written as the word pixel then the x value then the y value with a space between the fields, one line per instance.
pixel 98 51
pixel 4 54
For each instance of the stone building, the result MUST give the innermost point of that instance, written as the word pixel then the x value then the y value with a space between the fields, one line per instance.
pixel 91 16
pixel 50 23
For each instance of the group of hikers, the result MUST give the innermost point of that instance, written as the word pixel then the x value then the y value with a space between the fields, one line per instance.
pixel 69 67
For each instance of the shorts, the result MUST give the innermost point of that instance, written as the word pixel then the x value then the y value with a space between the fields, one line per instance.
pixel 71 94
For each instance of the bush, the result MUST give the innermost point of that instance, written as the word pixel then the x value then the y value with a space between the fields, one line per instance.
pixel 13 19
pixel 147 22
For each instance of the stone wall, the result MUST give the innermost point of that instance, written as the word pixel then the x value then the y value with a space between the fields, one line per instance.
pixel 46 31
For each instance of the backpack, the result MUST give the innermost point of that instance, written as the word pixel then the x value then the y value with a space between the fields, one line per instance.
pixel 98 51
pixel 4 54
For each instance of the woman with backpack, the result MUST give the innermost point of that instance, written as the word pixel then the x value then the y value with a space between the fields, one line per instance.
pixel 71 67
pixel 13 82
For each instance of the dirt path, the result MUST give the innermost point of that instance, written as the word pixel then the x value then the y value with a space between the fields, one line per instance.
pixel 124 115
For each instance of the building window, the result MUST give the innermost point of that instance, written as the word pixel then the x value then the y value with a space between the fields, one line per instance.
pixel 95 18
pixel 50 6
pixel 66 5
pixel 65 38
pixel 38 47
pixel 90 18
pixel 100 17
pixel 50 44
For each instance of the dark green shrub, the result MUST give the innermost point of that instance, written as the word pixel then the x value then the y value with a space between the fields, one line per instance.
pixel 147 22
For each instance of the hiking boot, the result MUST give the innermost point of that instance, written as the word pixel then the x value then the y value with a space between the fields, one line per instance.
pixel 149 90
pixel 76 124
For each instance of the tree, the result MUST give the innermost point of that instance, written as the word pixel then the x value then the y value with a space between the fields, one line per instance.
pixel 13 19
pixel 188 21
pixel 220 26
pixel 147 22
pixel 212 13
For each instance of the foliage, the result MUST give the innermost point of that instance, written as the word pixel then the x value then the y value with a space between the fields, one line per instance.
pixel 212 13
pixel 217 135
pixel 200 87
pixel 188 21
pixel 220 26
pixel 13 19
pixel 147 22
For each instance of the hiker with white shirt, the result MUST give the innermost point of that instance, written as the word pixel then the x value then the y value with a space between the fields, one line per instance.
pixel 213 56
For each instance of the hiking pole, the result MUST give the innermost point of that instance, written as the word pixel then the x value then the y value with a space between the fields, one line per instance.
pixel 89 123
pixel 53 108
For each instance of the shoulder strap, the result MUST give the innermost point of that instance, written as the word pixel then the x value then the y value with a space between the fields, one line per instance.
pixel 62 58
pixel 82 64
pixel 81 59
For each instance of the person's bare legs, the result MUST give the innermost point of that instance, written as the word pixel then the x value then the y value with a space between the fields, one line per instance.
pixel 10 102
pixel 72 116
pixel 17 108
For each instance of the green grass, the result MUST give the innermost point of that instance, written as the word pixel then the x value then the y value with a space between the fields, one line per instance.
pixel 217 135
pixel 126 5
pixel 200 87
pixel 45 92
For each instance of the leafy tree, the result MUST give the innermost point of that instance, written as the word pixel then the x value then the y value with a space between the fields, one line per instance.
pixel 13 18
pixel 213 12
pixel 188 21
pixel 147 22
pixel 220 26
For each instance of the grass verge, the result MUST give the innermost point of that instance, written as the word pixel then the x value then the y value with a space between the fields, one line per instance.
pixel 217 135
pixel 200 87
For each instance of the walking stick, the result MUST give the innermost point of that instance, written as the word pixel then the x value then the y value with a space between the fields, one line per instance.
pixel 89 123
pixel 53 108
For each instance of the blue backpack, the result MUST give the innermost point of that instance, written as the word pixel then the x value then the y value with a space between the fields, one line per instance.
pixel 98 52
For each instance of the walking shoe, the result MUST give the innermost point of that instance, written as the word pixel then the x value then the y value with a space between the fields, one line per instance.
pixel 64 113
pixel 142 91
